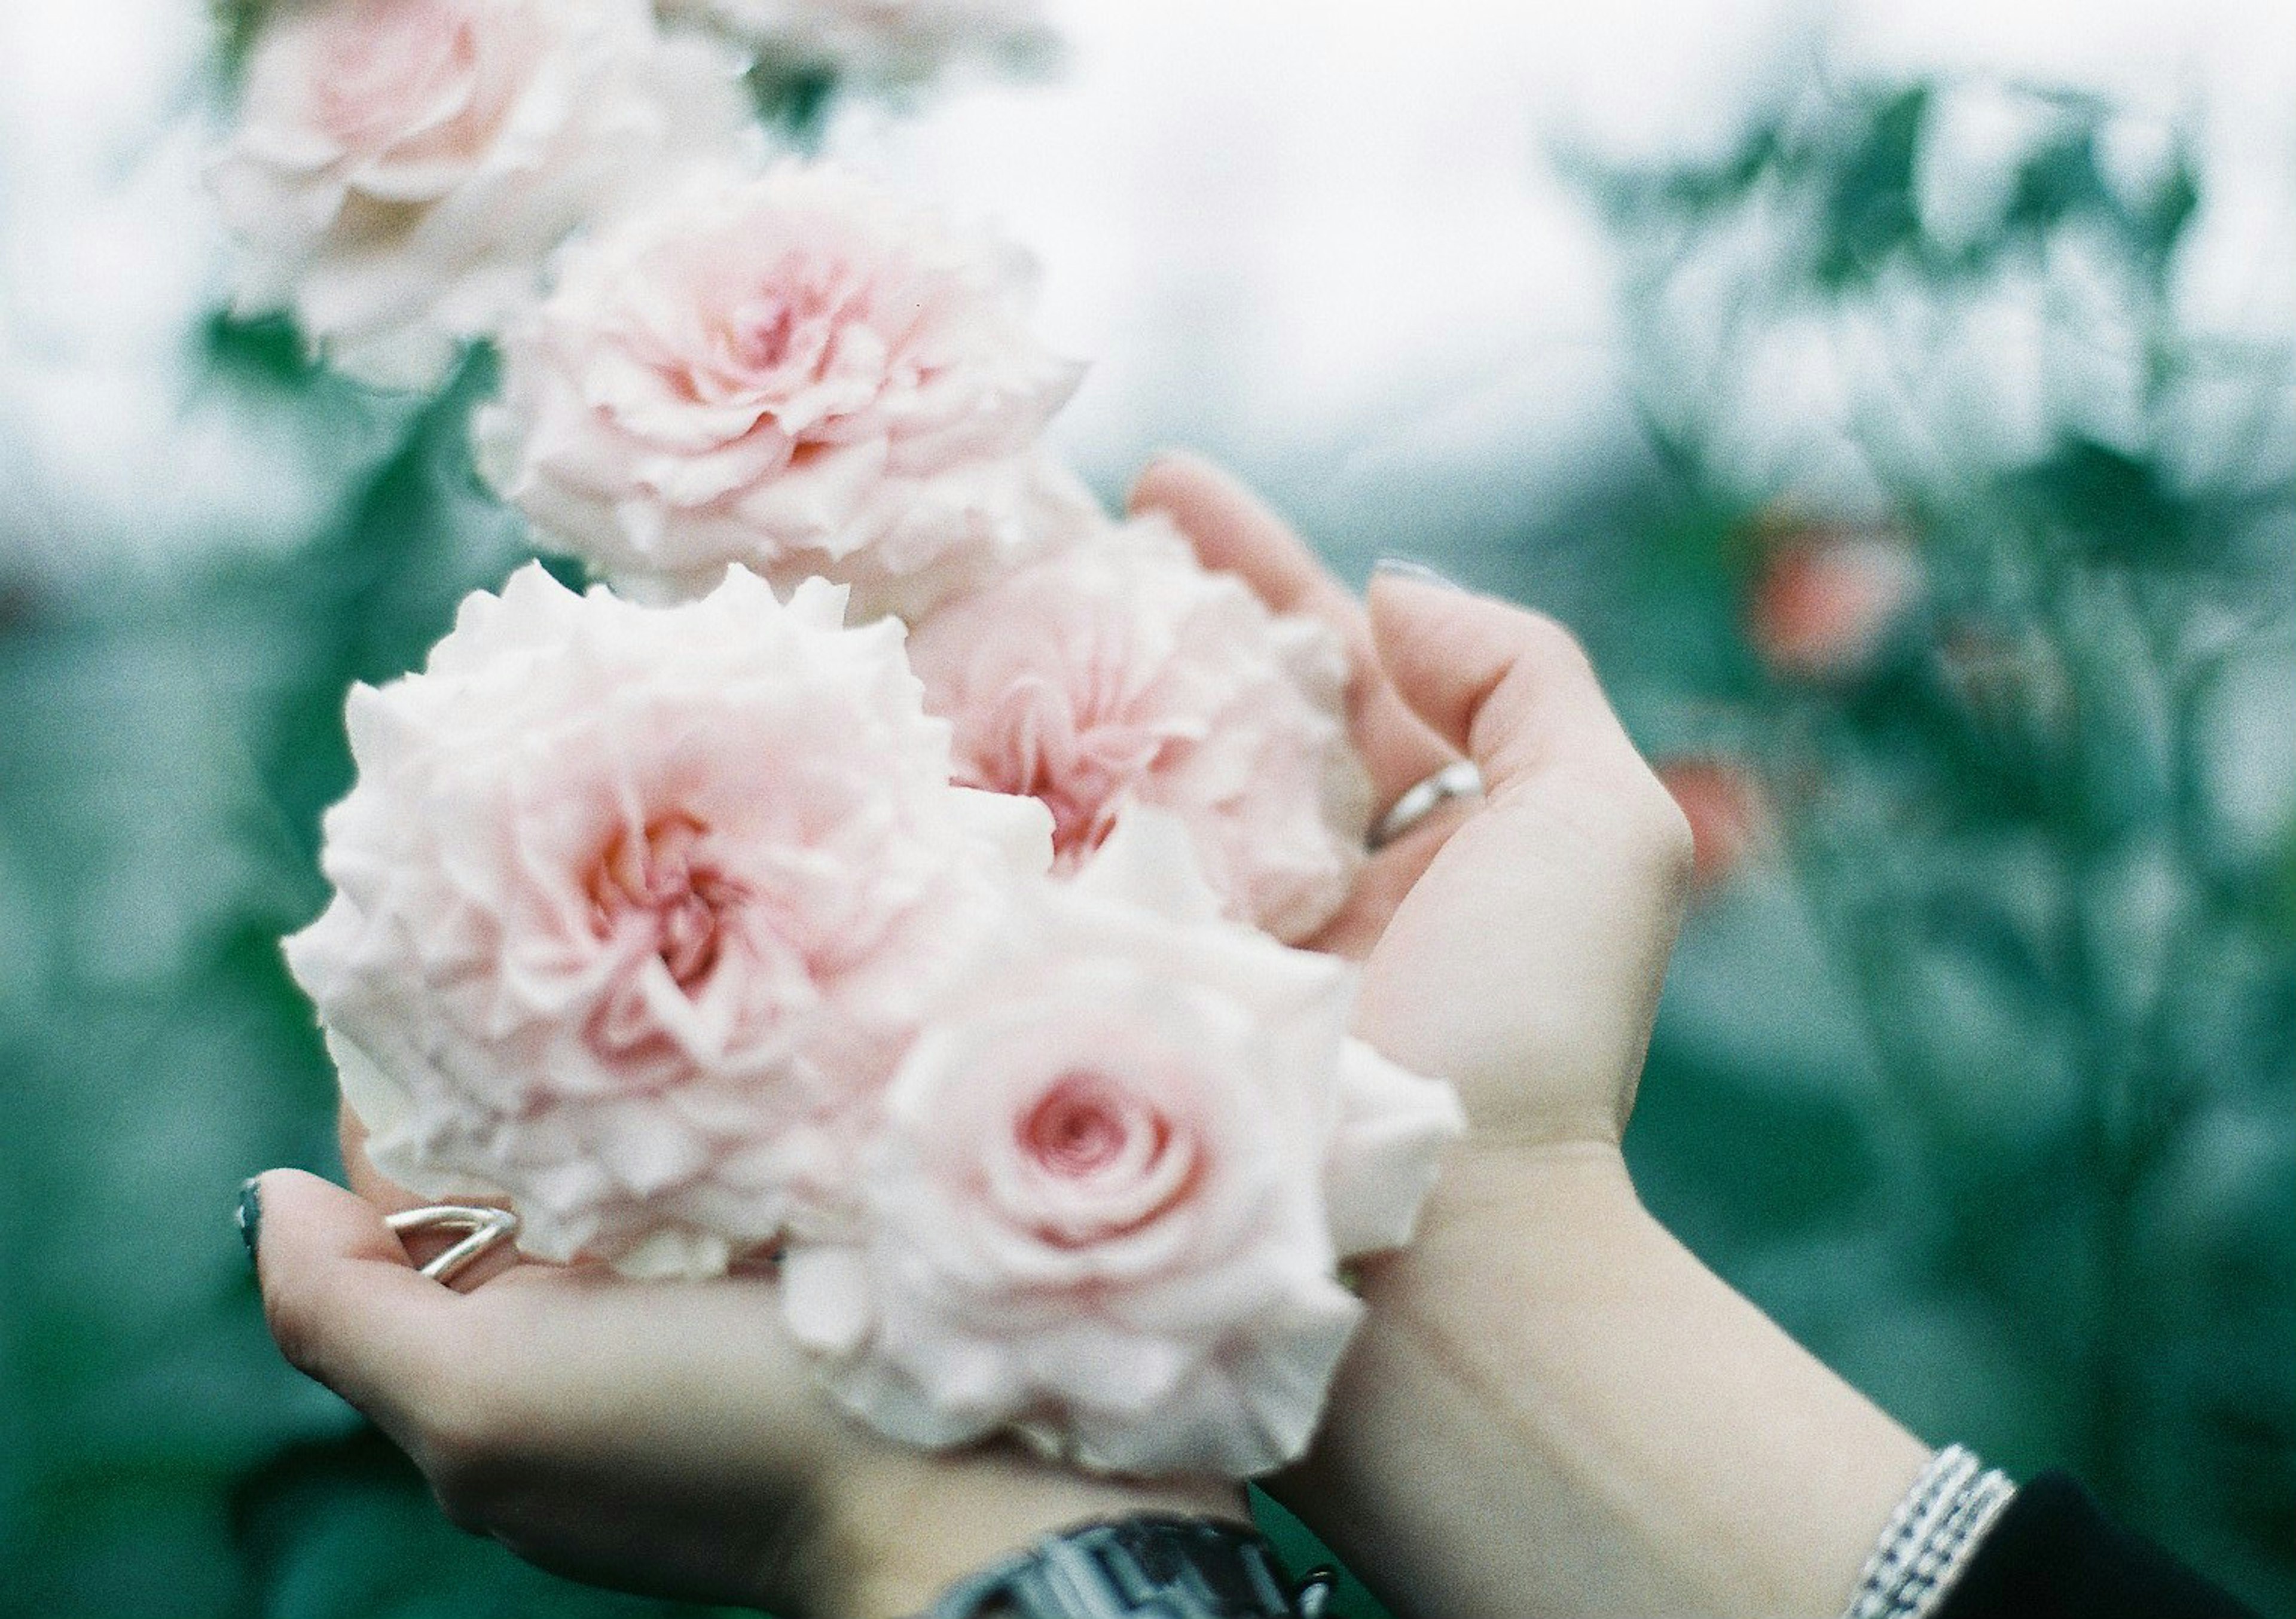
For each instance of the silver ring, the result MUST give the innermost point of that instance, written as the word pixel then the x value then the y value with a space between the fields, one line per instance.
pixel 1457 779
pixel 487 1228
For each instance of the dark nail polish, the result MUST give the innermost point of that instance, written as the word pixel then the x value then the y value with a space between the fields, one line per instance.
pixel 250 1215
pixel 1416 572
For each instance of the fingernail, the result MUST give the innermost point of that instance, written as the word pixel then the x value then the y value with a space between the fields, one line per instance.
pixel 250 1217
pixel 1417 573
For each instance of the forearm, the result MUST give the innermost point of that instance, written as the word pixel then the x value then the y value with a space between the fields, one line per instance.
pixel 1555 1408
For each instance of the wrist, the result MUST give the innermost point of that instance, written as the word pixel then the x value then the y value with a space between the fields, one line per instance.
pixel 1639 1438
pixel 1575 1196
pixel 1488 1176
pixel 1147 1565
pixel 905 1539
pixel 1519 1231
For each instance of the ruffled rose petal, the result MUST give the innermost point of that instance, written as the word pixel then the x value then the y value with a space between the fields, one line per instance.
pixel 1393 1126
pixel 402 169
pixel 1102 1208
pixel 794 373
pixel 635 910
pixel 1117 672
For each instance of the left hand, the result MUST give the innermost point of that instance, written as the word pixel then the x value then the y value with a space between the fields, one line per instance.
pixel 664 1438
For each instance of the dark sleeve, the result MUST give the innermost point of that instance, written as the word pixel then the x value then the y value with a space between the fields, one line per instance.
pixel 2054 1554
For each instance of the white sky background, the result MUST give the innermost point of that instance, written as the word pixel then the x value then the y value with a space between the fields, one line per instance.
pixel 1323 240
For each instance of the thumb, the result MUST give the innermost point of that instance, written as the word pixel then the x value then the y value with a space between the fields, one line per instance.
pixel 1510 688
pixel 344 1302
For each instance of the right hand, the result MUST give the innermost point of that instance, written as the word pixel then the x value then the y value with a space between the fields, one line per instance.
pixel 1553 1407
pixel 1516 946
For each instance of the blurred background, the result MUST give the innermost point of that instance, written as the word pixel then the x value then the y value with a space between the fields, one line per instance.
pixel 1901 401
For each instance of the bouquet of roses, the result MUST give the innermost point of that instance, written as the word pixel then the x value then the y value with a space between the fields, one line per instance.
pixel 890 874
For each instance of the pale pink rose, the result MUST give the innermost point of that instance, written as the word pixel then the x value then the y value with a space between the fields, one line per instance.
pixel 799 374
pixel 879 44
pixel 635 909
pixel 1116 1176
pixel 401 170
pixel 1825 598
pixel 1120 671
pixel 1729 814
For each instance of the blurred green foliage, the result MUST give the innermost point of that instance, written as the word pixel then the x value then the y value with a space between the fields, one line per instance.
pixel 1981 1072
pixel 168 751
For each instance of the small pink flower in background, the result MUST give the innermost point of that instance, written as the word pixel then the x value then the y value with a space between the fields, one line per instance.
pixel 799 374
pixel 1824 598
pixel 1728 812
pixel 635 910
pixel 1116 1176
pixel 880 43
pixel 401 169
pixel 1118 671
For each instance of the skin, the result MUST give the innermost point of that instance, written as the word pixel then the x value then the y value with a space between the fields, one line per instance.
pixel 659 1437
pixel 1553 1409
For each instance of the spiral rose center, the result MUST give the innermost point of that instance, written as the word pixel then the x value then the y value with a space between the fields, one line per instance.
pixel 1078 1129
pixel 784 325
pixel 1102 1162
pixel 764 343
pixel 664 880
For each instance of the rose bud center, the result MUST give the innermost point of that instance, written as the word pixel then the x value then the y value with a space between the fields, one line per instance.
pixel 1073 739
pixel 1079 1128
pixel 663 882
pixel 1104 1160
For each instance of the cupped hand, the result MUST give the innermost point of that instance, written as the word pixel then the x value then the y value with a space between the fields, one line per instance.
pixel 664 1438
pixel 1526 1421
pixel 1514 945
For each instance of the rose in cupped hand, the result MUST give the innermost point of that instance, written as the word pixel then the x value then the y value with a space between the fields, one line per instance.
pixel 1116 1173
pixel 635 909
pixel 402 169
pixel 1120 671
pixel 797 375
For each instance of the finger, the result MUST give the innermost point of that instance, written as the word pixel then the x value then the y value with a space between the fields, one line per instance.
pixel 1233 531
pixel 366 1180
pixel 1387 878
pixel 344 1302
pixel 1512 688
pixel 1571 875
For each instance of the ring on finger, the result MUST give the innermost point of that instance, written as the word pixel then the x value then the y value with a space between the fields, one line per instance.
pixel 484 1231
pixel 1457 779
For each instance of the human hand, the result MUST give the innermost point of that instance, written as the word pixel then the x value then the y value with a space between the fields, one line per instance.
pixel 665 1437
pixel 1514 946
pixel 653 1436
pixel 1627 1435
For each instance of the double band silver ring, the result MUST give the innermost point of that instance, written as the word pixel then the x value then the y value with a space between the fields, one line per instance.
pixel 1457 779
pixel 484 1230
